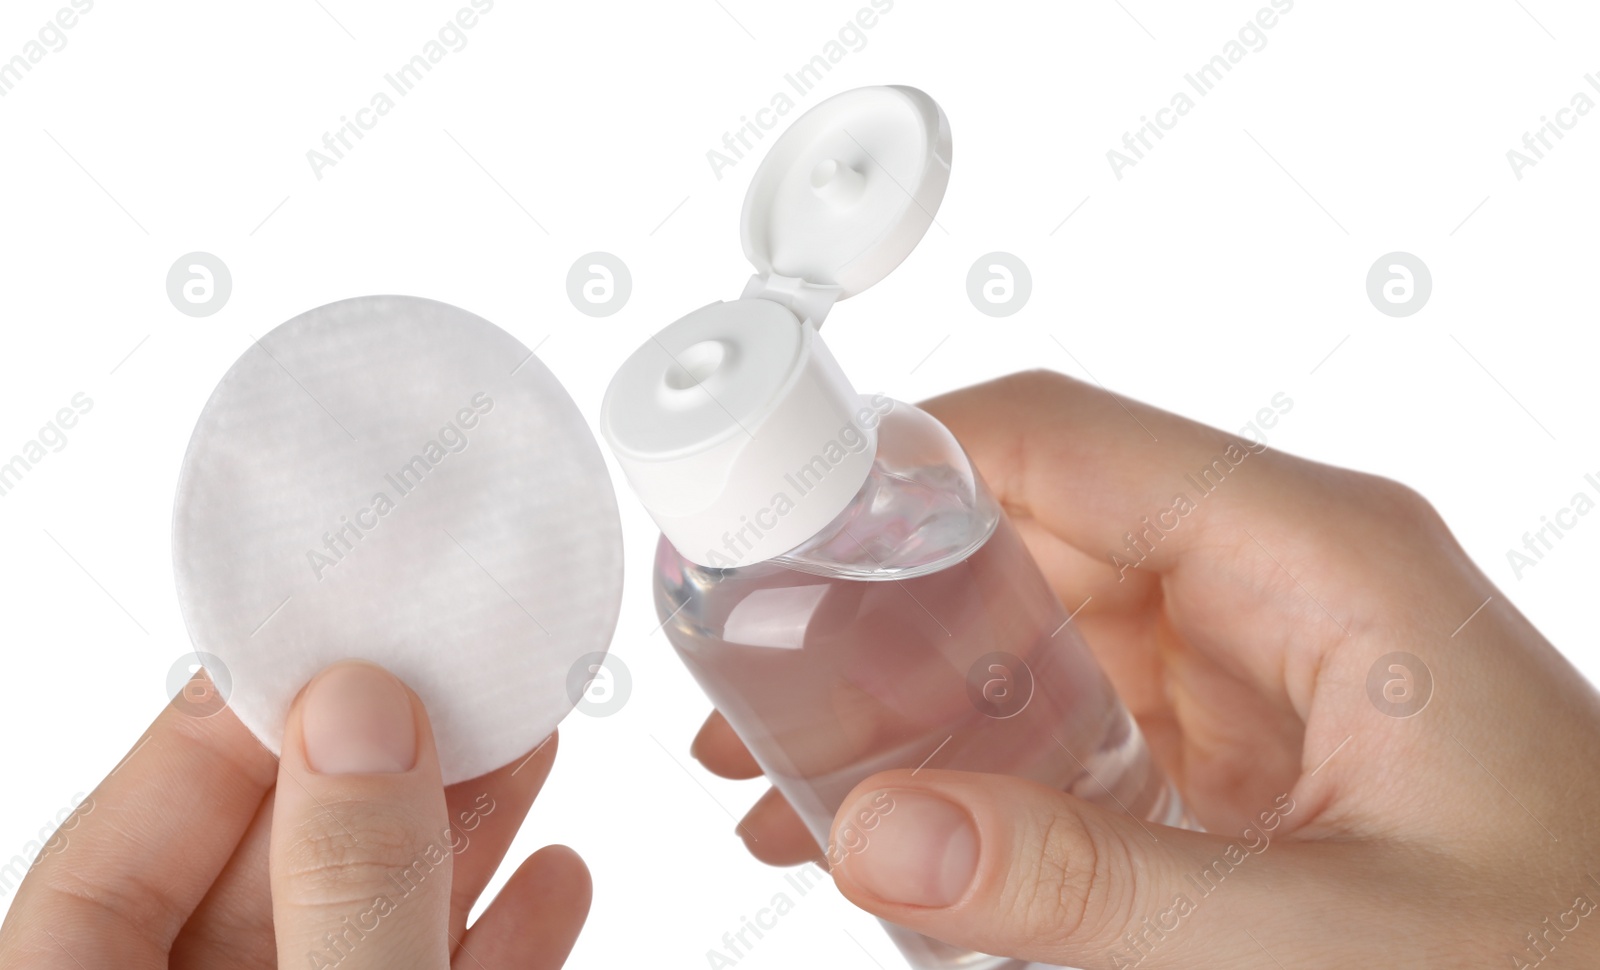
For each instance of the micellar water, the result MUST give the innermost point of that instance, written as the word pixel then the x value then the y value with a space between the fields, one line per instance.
pixel 832 569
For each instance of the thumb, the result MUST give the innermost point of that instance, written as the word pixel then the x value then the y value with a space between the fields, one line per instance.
pixel 361 844
pixel 1009 867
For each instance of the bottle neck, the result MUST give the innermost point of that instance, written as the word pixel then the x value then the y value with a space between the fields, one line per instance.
pixel 922 508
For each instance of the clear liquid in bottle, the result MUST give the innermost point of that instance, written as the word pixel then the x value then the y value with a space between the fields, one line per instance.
pixel 915 631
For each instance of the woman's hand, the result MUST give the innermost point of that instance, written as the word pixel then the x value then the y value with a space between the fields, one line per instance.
pixel 1394 767
pixel 373 863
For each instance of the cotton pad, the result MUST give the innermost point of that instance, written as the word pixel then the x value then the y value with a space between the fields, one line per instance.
pixel 398 480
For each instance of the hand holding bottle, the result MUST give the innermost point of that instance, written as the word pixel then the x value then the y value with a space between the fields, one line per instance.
pixel 1387 756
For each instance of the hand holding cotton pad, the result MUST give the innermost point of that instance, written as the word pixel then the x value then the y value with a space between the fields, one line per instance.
pixel 398 480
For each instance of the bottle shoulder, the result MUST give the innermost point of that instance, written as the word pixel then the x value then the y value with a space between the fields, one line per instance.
pixel 922 508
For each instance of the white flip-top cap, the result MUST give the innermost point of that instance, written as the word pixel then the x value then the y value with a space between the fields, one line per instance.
pixel 849 190
pixel 735 425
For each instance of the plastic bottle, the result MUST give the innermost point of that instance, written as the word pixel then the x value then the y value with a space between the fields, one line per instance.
pixel 832 570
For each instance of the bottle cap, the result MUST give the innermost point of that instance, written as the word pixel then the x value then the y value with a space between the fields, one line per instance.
pixel 735 425
pixel 848 191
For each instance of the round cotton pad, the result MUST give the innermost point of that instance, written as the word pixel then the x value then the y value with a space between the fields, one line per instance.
pixel 398 480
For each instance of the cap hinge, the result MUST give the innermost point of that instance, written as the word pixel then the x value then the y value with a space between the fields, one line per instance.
pixel 807 300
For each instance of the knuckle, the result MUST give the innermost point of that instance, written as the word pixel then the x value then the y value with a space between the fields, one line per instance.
pixel 1406 503
pixel 1080 887
pixel 1393 501
pixel 1040 382
pixel 341 855
pixel 134 905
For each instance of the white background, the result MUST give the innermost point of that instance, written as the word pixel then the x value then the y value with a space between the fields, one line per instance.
pixel 1223 269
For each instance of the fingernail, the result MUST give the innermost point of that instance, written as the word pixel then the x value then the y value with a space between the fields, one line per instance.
pixel 356 719
pixel 922 852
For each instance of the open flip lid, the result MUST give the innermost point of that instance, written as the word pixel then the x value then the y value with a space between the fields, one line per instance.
pixel 847 192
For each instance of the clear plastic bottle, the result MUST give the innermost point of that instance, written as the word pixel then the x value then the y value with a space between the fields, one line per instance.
pixel 832 568
pixel 914 631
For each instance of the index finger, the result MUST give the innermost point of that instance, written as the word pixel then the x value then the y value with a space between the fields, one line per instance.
pixel 1264 561
pixel 144 846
